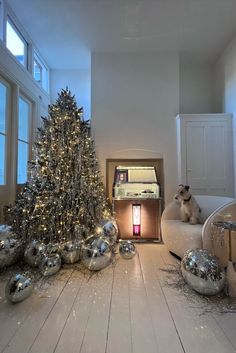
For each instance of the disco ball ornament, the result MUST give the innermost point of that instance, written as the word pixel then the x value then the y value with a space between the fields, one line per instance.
pixel 110 231
pixel 19 287
pixel 203 272
pixel 96 253
pixel 50 264
pixel 11 248
pixel 127 249
pixel 71 252
pixel 34 252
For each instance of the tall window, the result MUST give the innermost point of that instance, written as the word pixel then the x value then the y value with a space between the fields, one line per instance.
pixel 3 131
pixel 16 43
pixel 40 72
pixel 24 114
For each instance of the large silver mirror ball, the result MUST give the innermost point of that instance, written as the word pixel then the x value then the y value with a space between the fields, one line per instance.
pixel 71 251
pixel 96 253
pixel 50 264
pixel 127 249
pixel 11 248
pixel 19 287
pixel 34 252
pixel 110 231
pixel 203 272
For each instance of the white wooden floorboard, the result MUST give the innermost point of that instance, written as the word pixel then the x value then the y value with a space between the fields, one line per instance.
pixel 126 308
pixel 143 333
pixel 227 323
pixel 163 322
pixel 197 333
pixel 53 326
pixel 80 331
pixel 95 338
pixel 12 316
pixel 119 330
pixel 42 304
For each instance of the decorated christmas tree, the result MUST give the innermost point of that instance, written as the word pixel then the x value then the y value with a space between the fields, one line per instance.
pixel 64 198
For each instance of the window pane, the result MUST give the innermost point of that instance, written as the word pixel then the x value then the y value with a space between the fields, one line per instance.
pixel 45 79
pixel 37 72
pixel 15 44
pixel 40 72
pixel 23 120
pixel 2 159
pixel 3 99
pixel 22 162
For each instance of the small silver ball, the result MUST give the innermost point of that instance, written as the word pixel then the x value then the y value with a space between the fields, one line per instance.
pixel 11 248
pixel 34 252
pixel 19 287
pixel 127 249
pixel 50 264
pixel 71 252
pixel 96 253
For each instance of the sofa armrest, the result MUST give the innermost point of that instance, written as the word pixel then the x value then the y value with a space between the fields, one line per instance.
pixel 225 212
pixel 172 211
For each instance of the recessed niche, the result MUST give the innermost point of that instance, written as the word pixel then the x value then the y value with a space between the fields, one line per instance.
pixel 111 164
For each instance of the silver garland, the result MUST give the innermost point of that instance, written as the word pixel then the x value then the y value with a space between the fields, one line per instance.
pixel 217 304
pixel 64 197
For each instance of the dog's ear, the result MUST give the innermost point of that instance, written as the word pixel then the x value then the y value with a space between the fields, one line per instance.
pixel 181 185
pixel 187 187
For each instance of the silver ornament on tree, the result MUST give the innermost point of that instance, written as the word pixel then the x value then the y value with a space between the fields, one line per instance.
pixel 96 253
pixel 11 248
pixel 19 287
pixel 110 231
pixel 50 264
pixel 34 252
pixel 203 272
pixel 71 251
pixel 81 232
pixel 127 249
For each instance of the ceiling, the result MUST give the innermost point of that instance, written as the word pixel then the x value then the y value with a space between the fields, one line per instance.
pixel 67 31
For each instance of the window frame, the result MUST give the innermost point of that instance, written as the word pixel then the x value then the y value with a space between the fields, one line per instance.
pixel 21 36
pixel 8 15
pixel 35 60
pixel 30 134
pixel 6 134
pixel 44 67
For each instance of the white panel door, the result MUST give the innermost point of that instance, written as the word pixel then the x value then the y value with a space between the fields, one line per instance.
pixel 205 153
pixel 196 175
pixel 209 164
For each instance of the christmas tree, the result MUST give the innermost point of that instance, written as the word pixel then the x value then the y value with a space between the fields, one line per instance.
pixel 64 198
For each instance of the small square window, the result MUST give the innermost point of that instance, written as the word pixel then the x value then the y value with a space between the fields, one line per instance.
pixel 16 44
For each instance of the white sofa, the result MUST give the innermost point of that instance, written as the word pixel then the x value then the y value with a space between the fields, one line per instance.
pixel 179 236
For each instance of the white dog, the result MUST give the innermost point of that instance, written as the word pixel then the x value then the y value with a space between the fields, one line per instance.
pixel 189 209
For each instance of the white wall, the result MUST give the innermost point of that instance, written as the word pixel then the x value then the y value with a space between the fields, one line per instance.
pixel 78 81
pixel 135 98
pixel 196 88
pixel 225 87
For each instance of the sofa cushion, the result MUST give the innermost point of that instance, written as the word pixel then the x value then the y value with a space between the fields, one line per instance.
pixel 181 236
pixel 209 204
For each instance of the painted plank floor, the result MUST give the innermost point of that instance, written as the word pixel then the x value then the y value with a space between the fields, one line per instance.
pixel 126 308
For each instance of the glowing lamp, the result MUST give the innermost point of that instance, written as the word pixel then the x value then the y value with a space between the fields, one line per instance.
pixel 136 211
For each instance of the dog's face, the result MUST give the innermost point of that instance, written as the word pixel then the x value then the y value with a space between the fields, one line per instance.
pixel 182 193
